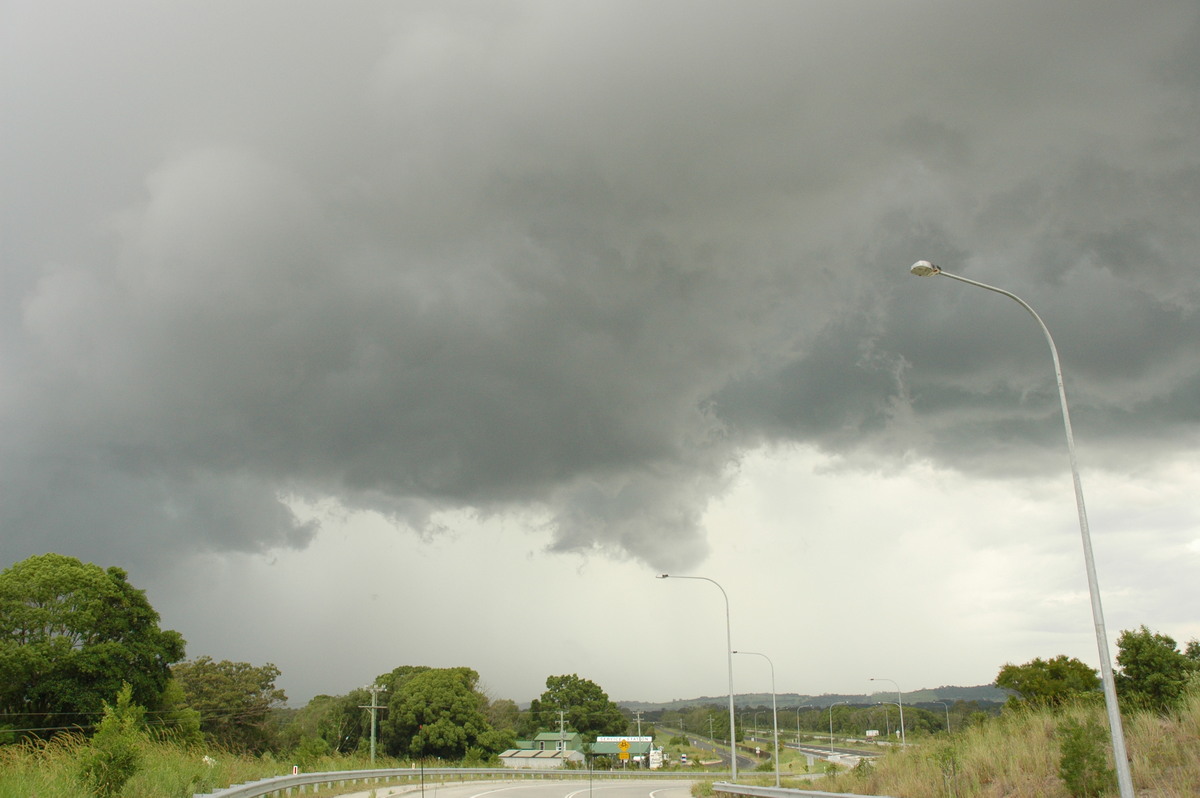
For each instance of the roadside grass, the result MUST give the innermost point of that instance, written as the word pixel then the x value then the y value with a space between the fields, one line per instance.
pixel 1017 755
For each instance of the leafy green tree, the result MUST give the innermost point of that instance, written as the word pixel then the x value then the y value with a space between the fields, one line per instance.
pixel 586 707
pixel 503 713
pixel 176 720
pixel 436 712
pixel 319 719
pixel 1049 682
pixel 234 699
pixel 71 634
pixel 1154 673
pixel 114 753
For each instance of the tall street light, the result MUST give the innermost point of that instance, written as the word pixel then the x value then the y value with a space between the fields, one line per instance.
pixel 886 718
pixel 924 268
pixel 802 706
pixel 729 657
pixel 900 704
pixel 774 712
pixel 831 706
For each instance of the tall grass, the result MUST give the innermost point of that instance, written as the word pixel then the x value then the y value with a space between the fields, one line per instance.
pixel 1017 755
pixel 50 770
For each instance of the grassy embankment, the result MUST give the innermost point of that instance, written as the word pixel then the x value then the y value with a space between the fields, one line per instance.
pixel 48 770
pixel 1017 755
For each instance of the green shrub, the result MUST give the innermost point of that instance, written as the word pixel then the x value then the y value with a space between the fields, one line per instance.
pixel 115 752
pixel 1083 765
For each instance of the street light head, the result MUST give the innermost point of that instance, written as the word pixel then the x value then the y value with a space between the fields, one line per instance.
pixel 662 576
pixel 923 268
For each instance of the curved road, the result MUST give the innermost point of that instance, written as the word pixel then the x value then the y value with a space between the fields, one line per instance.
pixel 745 762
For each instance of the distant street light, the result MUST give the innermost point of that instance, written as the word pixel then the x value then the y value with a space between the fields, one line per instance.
pixel 886 718
pixel 729 657
pixel 831 706
pixel 802 706
pixel 924 268
pixel 947 708
pixel 774 712
pixel 900 699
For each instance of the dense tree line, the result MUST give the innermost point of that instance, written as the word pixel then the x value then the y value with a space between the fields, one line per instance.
pixel 1152 674
pixel 75 637
pixel 80 647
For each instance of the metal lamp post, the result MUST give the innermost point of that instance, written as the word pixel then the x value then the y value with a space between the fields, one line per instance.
pixel 774 711
pixel 802 706
pixel 924 268
pixel 946 707
pixel 900 704
pixel 831 706
pixel 729 657
pixel 886 718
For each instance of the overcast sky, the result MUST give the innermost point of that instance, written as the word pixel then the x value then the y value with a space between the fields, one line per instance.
pixel 371 334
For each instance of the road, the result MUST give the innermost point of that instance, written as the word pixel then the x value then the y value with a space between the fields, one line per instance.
pixel 721 750
pixel 568 788
pixel 822 751
pixel 746 763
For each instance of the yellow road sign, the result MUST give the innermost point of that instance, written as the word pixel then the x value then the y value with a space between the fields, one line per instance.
pixel 623 745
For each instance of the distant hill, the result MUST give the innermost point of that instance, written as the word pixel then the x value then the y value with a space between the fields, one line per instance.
pixel 985 693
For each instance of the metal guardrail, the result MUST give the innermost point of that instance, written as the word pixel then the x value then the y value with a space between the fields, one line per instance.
pixel 782 792
pixel 280 785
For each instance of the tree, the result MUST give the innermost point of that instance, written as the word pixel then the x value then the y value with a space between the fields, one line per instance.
pixel 234 699
pixel 503 713
pixel 1153 672
pixel 319 720
pixel 436 712
pixel 1049 682
pixel 584 705
pixel 71 634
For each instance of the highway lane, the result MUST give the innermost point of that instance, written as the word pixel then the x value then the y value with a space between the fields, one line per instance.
pixel 823 750
pixel 567 788
pixel 721 751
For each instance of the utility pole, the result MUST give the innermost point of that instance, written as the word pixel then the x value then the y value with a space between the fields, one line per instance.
pixel 637 713
pixel 375 690
pixel 562 732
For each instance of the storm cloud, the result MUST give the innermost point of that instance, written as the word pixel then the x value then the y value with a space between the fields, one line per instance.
pixel 579 258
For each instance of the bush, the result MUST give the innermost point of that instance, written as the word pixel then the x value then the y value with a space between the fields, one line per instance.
pixel 1083 765
pixel 115 752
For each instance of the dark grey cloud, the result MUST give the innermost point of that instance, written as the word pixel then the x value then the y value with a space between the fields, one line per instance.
pixel 573 257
